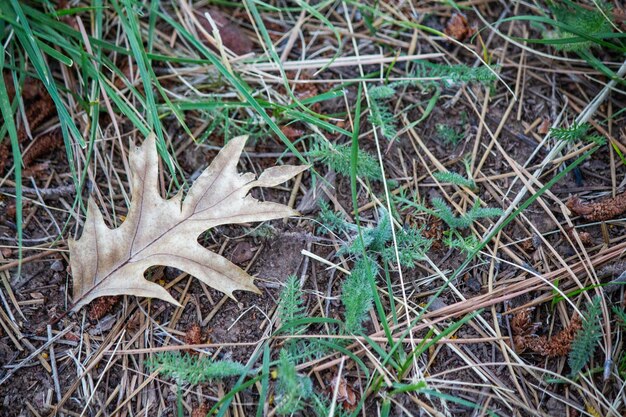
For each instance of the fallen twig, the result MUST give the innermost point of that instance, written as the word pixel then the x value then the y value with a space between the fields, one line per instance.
pixel 55 192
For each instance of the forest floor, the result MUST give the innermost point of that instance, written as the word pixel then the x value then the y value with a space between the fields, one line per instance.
pixel 460 244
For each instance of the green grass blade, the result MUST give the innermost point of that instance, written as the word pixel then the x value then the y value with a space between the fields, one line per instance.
pixel 28 41
pixel 9 122
pixel 265 380
pixel 129 22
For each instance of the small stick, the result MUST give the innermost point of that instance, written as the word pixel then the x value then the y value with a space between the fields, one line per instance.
pixel 53 364
pixel 13 264
pixel 333 403
pixel 294 194
pixel 55 192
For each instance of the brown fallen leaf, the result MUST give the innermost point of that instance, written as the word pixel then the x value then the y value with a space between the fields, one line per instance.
pixel 346 396
pixel 458 27
pixel 605 209
pixel 544 127
pixel 160 231
pixel 233 37
pixel 291 132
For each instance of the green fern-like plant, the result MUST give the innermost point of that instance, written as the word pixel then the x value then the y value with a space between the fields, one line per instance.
pixel 338 157
pixel 621 315
pixel 357 296
pixel 448 134
pixel 380 114
pixel 454 240
pixel 576 132
pixel 445 213
pixel 291 309
pixel 301 350
pixel 372 240
pixel 332 221
pixel 377 241
pixel 192 369
pixel 456 179
pixel 290 306
pixel 451 75
pixel 595 23
pixel 292 389
pixel 587 338
pixel 412 247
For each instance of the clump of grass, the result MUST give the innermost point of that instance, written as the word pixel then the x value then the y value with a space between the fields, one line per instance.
pixel 587 338
pixel 321 406
pixel 193 370
pixel 223 123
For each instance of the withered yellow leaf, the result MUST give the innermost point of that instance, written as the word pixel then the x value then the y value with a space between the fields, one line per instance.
pixel 160 231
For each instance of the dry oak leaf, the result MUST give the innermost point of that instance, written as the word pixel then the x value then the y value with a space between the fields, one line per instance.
pixel 161 231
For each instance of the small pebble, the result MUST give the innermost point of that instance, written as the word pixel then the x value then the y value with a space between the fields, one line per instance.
pixel 436 304
pixel 57 266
